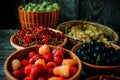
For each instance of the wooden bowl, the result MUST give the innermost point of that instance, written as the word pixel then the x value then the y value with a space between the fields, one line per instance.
pixel 30 19
pixel 98 69
pixel 100 77
pixel 67 26
pixel 21 47
pixel 24 52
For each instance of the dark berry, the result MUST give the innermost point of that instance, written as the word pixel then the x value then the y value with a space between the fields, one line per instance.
pixel 93 43
pixel 85 46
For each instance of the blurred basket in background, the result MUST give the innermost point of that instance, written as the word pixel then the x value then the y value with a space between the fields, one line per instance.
pixel 36 18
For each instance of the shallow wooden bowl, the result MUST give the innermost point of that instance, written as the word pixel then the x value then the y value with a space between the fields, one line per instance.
pixel 20 47
pixel 24 52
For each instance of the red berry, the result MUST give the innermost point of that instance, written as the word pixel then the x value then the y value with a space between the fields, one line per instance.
pixel 51 64
pixel 37 56
pixel 73 70
pixel 45 41
pixel 25 62
pixel 47 56
pixel 28 78
pixel 31 54
pixel 27 69
pixel 59 52
pixel 58 60
pixel 46 36
pixel 36 70
pixel 18 74
pixel 16 41
pixel 41 78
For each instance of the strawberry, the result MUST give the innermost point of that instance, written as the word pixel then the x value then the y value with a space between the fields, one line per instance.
pixel 31 54
pixel 25 62
pixel 73 70
pixel 36 70
pixel 47 56
pixel 27 69
pixel 28 78
pixel 18 74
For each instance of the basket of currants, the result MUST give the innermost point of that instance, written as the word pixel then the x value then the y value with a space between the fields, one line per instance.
pixel 38 35
pixel 85 31
pixel 35 14
pixel 99 57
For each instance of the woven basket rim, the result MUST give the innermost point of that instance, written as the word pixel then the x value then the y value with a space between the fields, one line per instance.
pixel 20 47
pixel 62 25
pixel 97 66
pixel 39 11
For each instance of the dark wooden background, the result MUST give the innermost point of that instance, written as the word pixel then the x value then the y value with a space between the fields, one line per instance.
pixel 106 12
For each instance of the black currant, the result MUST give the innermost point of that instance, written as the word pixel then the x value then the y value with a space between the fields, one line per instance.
pixel 93 43
pixel 85 46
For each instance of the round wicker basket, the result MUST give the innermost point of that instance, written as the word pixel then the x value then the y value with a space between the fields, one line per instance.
pixel 21 47
pixel 65 27
pixel 30 19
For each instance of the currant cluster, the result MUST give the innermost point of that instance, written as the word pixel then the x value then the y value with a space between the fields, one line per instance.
pixel 37 36
pixel 98 53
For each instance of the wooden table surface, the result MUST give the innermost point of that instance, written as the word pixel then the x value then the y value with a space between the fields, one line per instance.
pixel 6 49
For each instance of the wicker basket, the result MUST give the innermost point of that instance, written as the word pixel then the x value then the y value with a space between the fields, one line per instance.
pixel 66 26
pixel 30 19
pixel 17 47
pixel 97 69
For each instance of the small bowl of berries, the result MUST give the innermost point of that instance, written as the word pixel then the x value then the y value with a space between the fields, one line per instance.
pixel 104 77
pixel 98 57
pixel 43 62
pixel 38 35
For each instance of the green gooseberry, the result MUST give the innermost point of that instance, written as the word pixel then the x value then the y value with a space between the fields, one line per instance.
pixel 49 8
pixel 56 6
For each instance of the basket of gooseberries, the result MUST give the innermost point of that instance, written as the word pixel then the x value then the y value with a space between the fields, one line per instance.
pixel 98 57
pixel 35 14
pixel 38 35
pixel 104 77
pixel 43 62
pixel 84 31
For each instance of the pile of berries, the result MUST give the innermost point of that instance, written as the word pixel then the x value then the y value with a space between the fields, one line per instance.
pixel 98 53
pixel 46 64
pixel 37 36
